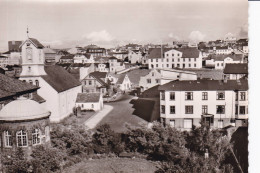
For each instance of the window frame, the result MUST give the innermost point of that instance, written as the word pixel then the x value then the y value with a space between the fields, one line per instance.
pixel 8 142
pixel 172 109
pixel 22 138
pixel 188 108
pixel 218 94
pixel 223 109
pixel 172 96
pixel 36 137
pixel 204 95
pixel 186 95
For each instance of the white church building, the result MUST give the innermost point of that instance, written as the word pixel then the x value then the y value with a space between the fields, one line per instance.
pixel 57 86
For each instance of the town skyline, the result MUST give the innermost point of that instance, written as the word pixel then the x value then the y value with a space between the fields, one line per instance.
pixel 63 24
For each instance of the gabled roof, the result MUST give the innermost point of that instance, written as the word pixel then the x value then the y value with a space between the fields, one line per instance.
pixel 87 97
pixel 236 69
pixel 157 52
pixel 11 87
pixel 205 85
pixel 121 79
pixel 59 78
pixel 235 57
pixel 98 74
pixel 35 42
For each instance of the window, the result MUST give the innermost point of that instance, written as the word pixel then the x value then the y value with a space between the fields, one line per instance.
pixel 172 65
pixel 204 109
pixel 82 105
pixel 167 55
pixel 21 138
pixel 188 109
pixel 183 59
pixel 178 59
pixel 183 65
pixel 157 80
pixel 149 81
pixel 31 82
pixel 92 106
pixel 172 59
pixel 36 82
pixel 162 96
pixel 172 54
pixel 236 110
pixel 236 96
pixel 172 109
pixel 8 139
pixel 188 95
pixel 178 54
pixel 156 65
pixel 220 123
pixel 36 137
pixel 242 110
pixel 29 69
pixel 187 123
pixel 172 95
pixel 167 65
pixel 204 96
pixel 90 82
pixel 167 60
pixel 220 109
pixel 220 95
pixel 152 73
pixel 242 96
pixel 189 59
pixel 163 109
pixel 194 65
pixel 172 123
pixel 189 65
pixel 156 60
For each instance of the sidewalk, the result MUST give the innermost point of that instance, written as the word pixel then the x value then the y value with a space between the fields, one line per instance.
pixel 93 121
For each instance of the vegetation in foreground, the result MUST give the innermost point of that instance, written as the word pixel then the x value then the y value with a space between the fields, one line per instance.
pixel 201 150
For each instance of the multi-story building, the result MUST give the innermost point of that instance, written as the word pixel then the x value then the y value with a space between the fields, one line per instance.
pixel 219 61
pixel 222 50
pixel 218 103
pixel 83 58
pixel 174 58
pixel 235 71
pixel 95 50
pixel 115 65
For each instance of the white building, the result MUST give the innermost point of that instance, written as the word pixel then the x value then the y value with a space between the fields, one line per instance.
pixel 219 61
pixel 57 86
pixel 217 103
pixel 124 83
pixel 115 65
pixel 134 56
pixel 90 101
pixel 222 50
pixel 174 58
pixel 83 58
pixel 162 76
pixel 235 71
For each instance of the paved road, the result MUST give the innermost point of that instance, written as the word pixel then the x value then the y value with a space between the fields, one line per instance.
pixel 122 115
pixel 92 122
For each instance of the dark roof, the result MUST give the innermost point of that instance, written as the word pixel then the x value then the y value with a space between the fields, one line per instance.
pixel 88 97
pixel 67 57
pixel 112 57
pixel 152 92
pixel 190 52
pixel 36 43
pixel 37 98
pixel 236 69
pixel 208 73
pixel 221 47
pixel 121 79
pixel 98 74
pixel 235 57
pixel 80 65
pixel 205 85
pixel 59 78
pixel 11 87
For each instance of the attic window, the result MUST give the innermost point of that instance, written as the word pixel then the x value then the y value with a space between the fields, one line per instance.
pixel 28 44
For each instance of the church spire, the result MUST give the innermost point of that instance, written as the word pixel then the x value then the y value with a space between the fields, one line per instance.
pixel 27 32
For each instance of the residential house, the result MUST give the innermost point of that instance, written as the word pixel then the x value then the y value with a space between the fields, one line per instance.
pixel 162 76
pixel 95 82
pixel 95 50
pixel 3 61
pixel 90 101
pixel 218 103
pixel 102 67
pixel 222 50
pixel 83 58
pixel 57 86
pixel 175 58
pixel 66 59
pixel 121 55
pixel 124 83
pixel 115 65
pixel 236 71
pixel 219 61
pixel 135 56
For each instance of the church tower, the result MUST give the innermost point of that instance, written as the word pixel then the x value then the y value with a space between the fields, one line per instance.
pixel 32 60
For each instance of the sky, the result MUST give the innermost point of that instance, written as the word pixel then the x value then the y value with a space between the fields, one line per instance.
pixel 108 23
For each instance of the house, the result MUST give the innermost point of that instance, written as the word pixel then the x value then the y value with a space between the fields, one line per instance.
pixel 90 101
pixel 120 55
pixel 236 71
pixel 50 55
pixel 115 65
pixel 219 61
pixel 76 50
pixel 102 67
pixel 66 59
pixel 174 58
pixel 57 86
pixel 14 57
pixel 83 58
pixel 222 50
pixel 95 82
pixel 4 61
pixel 95 51
pixel 124 83
pixel 135 56
pixel 218 103
pixel 162 76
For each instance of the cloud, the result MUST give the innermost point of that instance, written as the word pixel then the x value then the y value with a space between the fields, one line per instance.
pixel 243 31
pixel 53 43
pixel 99 36
pixel 174 37
pixel 196 36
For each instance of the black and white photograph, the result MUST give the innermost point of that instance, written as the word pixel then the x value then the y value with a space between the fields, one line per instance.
pixel 120 86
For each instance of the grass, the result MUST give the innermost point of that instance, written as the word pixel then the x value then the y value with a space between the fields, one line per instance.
pixel 112 165
pixel 77 120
